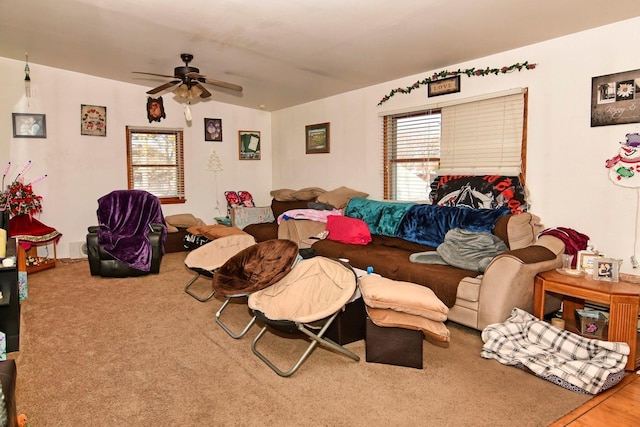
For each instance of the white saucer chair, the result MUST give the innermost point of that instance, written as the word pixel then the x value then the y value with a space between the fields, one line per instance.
pixel 306 301
pixel 206 259
pixel 250 270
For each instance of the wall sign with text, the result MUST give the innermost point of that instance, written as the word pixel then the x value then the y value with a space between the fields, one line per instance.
pixel 615 99
pixel 443 86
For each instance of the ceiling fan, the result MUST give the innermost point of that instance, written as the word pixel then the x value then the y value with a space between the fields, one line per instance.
pixel 187 83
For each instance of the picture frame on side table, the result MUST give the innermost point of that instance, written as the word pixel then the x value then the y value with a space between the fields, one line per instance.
pixel 606 269
pixel 27 125
pixel 585 259
pixel 317 138
pixel 249 144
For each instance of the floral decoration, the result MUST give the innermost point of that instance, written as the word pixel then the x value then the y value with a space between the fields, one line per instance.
pixel 19 199
pixel 470 72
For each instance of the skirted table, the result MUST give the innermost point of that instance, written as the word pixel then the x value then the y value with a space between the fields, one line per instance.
pixel 31 233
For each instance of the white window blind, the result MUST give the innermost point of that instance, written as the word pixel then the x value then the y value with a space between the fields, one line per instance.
pixel 155 163
pixel 411 154
pixel 483 137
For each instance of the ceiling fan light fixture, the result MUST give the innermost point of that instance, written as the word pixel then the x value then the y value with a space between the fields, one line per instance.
pixel 182 91
pixel 195 92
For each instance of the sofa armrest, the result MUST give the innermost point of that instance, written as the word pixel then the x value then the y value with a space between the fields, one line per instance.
pixel 508 281
pixel 242 216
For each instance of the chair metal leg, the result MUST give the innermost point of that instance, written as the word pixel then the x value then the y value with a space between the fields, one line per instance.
pixel 225 328
pixel 315 340
pixel 190 292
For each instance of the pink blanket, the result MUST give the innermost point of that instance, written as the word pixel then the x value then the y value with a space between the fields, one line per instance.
pixel 310 214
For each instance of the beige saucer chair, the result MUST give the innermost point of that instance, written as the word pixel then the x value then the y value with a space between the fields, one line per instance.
pixel 306 301
pixel 250 270
pixel 206 259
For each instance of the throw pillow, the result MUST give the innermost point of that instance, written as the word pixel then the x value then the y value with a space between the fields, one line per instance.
pixel 183 220
pixel 348 230
pixel 339 197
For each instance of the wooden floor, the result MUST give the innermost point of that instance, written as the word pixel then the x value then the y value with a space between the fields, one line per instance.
pixel 618 406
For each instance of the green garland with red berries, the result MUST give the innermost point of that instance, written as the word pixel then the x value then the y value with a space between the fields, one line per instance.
pixel 470 72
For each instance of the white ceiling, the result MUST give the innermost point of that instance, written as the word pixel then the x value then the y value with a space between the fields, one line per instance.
pixel 286 52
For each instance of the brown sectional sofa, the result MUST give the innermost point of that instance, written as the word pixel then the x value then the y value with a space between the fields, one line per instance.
pixel 474 299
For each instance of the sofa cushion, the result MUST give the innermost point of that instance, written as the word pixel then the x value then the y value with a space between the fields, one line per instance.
pixel 523 229
pixel 380 292
pixel 347 230
pixel 397 319
pixel 427 224
pixel 339 197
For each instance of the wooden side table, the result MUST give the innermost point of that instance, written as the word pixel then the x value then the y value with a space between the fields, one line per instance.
pixel 623 299
pixel 42 264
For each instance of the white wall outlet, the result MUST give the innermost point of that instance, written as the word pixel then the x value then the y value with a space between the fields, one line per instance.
pixel 77 250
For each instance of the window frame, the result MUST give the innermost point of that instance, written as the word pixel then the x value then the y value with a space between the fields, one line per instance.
pixel 179 163
pixel 389 193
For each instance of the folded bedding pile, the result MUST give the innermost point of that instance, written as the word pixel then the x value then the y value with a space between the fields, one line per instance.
pixel 391 303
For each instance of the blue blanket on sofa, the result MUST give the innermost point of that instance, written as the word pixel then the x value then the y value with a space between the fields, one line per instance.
pixel 428 224
pixel 124 219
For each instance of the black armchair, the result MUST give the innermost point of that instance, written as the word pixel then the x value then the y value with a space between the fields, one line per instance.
pixel 129 240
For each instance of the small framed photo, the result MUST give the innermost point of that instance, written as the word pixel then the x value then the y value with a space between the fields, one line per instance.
pixel 317 140
pixel 155 109
pixel 26 125
pixel 213 129
pixel 93 120
pixel 249 144
pixel 443 86
pixel 606 269
pixel 585 260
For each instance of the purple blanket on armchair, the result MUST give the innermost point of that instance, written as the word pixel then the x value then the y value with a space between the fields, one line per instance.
pixel 124 217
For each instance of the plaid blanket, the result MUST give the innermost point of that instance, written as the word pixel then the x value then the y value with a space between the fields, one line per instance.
pixel 547 350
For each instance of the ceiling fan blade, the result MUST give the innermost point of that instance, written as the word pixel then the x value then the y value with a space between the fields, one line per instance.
pixel 205 93
pixel 220 83
pixel 154 74
pixel 163 87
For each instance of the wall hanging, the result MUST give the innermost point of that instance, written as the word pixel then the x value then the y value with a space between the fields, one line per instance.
pixel 469 72
pixel 155 109
pixel 624 170
pixel 27 125
pixel 249 144
pixel 93 120
pixel 614 100
pixel 213 129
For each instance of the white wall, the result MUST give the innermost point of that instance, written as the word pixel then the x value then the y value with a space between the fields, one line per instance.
pixel 80 168
pixel 566 176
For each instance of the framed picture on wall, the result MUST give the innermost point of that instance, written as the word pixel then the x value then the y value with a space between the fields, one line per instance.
pixel 615 99
pixel 317 138
pixel 249 144
pixel 27 125
pixel 213 129
pixel 93 120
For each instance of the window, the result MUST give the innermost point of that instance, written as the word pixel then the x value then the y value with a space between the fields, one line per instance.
pixel 155 163
pixel 476 136
pixel 411 154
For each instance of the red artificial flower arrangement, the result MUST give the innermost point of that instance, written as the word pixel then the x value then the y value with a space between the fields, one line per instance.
pixel 19 199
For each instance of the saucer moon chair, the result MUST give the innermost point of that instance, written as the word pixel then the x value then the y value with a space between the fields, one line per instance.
pixel 206 259
pixel 307 300
pixel 250 270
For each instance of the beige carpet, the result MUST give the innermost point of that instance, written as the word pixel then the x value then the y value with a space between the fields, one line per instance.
pixel 141 352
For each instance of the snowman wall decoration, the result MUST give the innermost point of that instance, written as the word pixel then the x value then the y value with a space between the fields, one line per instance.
pixel 624 170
